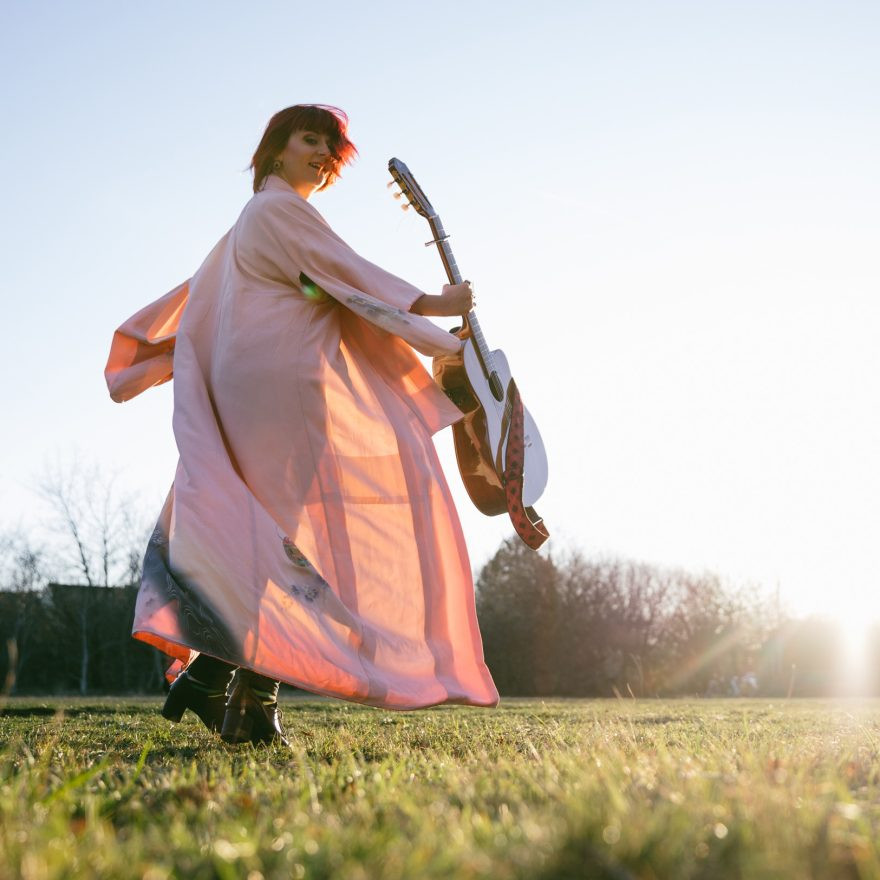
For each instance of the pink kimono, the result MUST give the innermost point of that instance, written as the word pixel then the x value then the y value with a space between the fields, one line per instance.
pixel 309 533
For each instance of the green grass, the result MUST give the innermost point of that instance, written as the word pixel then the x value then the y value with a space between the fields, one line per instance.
pixel 555 789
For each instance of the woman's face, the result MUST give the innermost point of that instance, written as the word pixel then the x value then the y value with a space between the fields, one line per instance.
pixel 305 161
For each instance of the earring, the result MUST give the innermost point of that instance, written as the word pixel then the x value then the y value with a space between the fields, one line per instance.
pixel 276 165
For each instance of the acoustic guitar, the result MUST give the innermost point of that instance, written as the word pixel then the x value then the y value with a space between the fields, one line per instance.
pixel 478 380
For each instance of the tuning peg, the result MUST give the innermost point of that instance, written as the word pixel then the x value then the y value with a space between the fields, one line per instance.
pixel 405 207
pixel 397 195
pixel 390 183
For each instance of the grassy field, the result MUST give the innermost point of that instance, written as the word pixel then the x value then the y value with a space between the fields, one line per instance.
pixel 534 789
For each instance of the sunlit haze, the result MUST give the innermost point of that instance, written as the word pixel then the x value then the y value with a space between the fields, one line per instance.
pixel 668 210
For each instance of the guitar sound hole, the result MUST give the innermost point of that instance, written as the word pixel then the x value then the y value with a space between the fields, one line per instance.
pixel 495 387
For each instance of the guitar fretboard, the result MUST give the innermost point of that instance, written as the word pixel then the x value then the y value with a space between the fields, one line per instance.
pixel 418 200
pixel 441 239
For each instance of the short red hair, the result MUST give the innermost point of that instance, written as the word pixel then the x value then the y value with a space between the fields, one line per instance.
pixel 319 118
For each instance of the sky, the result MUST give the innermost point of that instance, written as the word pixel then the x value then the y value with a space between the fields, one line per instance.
pixel 669 211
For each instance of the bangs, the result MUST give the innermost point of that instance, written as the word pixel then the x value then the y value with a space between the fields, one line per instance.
pixel 330 122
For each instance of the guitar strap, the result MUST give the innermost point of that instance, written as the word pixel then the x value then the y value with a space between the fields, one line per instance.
pixel 529 526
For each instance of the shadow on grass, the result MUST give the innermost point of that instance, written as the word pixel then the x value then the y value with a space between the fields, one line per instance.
pixel 71 711
pixel 577 859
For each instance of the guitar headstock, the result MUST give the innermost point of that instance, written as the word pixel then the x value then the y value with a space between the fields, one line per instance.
pixel 408 187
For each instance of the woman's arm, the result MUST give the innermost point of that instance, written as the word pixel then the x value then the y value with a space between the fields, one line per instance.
pixel 286 237
pixel 456 299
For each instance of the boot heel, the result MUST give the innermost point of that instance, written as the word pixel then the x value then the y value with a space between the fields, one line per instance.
pixel 174 707
pixel 210 708
pixel 237 727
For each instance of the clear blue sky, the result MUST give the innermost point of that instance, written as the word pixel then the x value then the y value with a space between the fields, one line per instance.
pixel 669 210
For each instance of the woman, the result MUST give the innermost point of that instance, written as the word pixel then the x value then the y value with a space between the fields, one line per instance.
pixel 309 535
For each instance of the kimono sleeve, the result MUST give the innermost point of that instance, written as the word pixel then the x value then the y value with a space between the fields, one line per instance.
pixel 142 350
pixel 298 242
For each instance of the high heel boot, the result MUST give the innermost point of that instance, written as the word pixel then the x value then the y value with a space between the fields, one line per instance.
pixel 252 713
pixel 201 688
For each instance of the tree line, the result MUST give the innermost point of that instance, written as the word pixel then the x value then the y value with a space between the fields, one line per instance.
pixel 75 639
pixel 67 597
pixel 604 627
pixel 552 625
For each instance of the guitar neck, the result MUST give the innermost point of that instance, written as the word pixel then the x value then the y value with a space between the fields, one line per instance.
pixel 441 239
pixel 453 273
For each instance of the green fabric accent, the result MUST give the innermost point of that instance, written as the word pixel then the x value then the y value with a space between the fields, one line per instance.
pixel 267 698
pixel 210 690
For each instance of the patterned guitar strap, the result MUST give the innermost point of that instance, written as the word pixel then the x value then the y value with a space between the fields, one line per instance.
pixel 529 526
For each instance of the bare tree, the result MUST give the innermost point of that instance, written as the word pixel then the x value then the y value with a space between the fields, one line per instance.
pixel 95 521
pixel 96 536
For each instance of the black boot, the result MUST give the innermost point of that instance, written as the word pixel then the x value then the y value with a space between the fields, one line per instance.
pixel 201 688
pixel 252 713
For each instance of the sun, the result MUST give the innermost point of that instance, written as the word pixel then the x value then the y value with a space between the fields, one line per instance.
pixel 854 673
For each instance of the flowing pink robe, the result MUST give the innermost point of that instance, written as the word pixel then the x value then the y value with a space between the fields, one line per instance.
pixel 309 533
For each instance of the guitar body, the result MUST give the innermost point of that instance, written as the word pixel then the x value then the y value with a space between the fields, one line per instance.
pixel 480 437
